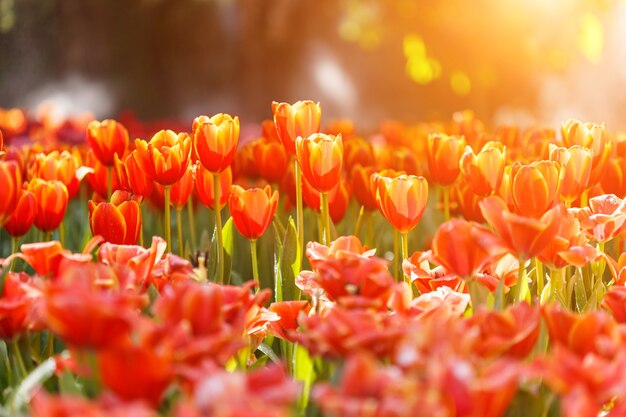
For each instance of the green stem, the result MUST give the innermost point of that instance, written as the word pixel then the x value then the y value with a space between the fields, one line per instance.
pixel 14 248
pixel 299 208
pixel 522 284
pixel 369 235
pixel 446 202
pixel 143 222
pixel 179 227
pixel 396 253
pixel 474 293
pixel 62 234
pixel 405 253
pixel 16 352
pixel 540 277
pixel 255 265
pixel 326 218
pixel 168 235
pixel 192 223
pixel 359 222
pixel 218 224
pixel 109 182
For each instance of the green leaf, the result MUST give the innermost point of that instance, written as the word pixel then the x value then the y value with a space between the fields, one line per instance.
pixel 69 385
pixel 580 293
pixel 545 294
pixel 305 374
pixel 290 260
pixel 278 249
pixel 227 241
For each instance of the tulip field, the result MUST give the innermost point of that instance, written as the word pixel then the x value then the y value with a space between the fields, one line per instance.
pixel 439 269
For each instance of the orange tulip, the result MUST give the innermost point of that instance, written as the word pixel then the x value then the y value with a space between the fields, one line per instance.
pixel 98 178
pixel 52 201
pixel 165 158
pixel 271 159
pixel 525 237
pixel 107 139
pixel 360 185
pixel 484 171
pixel 204 186
pixel 181 191
pixel 321 158
pixel 542 178
pixel 575 170
pixel 215 141
pixel 444 155
pixel 252 210
pixel 61 166
pixel 24 215
pixel 119 221
pixel 465 248
pixel 613 180
pixel 357 150
pixel 592 136
pixel 402 200
pixel 11 186
pixel 301 119
pixel 466 202
pixel 245 165
pixel 131 178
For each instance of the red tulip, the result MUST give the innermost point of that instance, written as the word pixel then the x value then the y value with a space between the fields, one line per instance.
pixel 118 221
pixel 252 210
pixel 301 119
pixel 107 139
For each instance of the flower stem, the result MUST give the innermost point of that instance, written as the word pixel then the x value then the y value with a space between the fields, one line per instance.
pixel 359 222
pixel 522 283
pixel 192 222
pixel 179 227
pixel 405 253
pixel 540 277
pixel 255 265
pixel 446 202
pixel 396 253
pixel 299 208
pixel 109 182
pixel 168 235
pixel 14 247
pixel 218 224
pixel 326 218
pixel 62 234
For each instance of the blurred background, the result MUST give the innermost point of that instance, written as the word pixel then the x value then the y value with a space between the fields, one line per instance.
pixel 514 61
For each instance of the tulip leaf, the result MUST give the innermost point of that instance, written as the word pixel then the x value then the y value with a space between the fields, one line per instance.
pixel 303 373
pixel 227 241
pixel 545 294
pixel 290 262
pixel 580 293
pixel 278 280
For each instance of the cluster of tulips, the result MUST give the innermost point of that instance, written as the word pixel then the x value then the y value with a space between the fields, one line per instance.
pixel 514 305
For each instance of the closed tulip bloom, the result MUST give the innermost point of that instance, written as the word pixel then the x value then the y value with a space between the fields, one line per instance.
pixel 204 186
pixel 24 215
pixel 271 159
pixel 252 210
pixel 613 180
pixel 61 166
pixel 360 185
pixel 107 139
pixel 321 158
pixel 52 198
pixel 575 170
pixel 534 188
pixel 98 177
pixel 119 221
pixel 357 151
pixel 592 136
pixel 131 178
pixel 215 141
pixel 402 200
pixel 165 158
pixel 301 119
pixel 484 171
pixel 181 191
pixel 444 155
pixel 11 186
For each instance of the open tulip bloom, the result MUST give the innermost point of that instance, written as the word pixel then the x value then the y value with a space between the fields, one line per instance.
pixel 513 306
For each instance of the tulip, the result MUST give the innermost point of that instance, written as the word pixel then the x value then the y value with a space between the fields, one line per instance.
pixel 1 143
pixel 119 221
pixel 131 178
pixel 11 186
pixel 320 157
pixel 203 186
pixel 575 170
pixel 357 151
pixel 164 159
pixel 107 139
pixel 604 219
pixel 52 201
pixel 293 120
pixel 484 171
pixel 23 216
pixel 61 166
pixel 252 212
pixel 98 176
pixel 215 141
pixel 543 179
pixel 301 119
pixel 613 180
pixel 271 159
